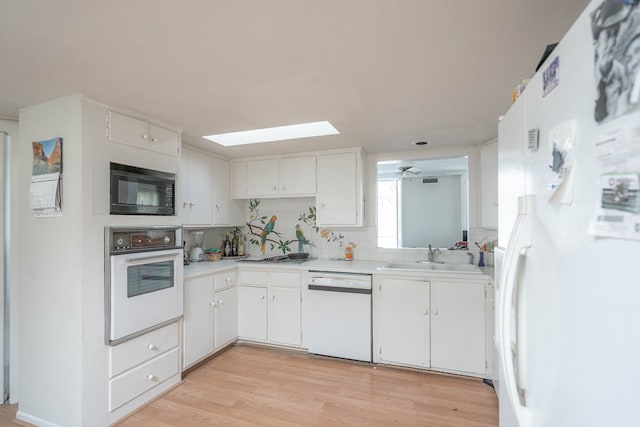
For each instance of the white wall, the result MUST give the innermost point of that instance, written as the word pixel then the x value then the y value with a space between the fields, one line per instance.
pixel 48 271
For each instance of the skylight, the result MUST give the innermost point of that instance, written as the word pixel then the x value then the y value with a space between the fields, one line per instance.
pixel 279 133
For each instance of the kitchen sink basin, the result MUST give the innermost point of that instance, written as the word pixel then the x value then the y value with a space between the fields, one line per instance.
pixel 433 266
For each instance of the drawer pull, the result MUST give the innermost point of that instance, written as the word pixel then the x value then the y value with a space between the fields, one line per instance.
pixel 152 377
pixel 152 347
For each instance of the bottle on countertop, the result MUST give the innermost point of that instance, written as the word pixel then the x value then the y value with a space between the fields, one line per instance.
pixel 234 245
pixel 348 251
pixel 227 245
pixel 240 245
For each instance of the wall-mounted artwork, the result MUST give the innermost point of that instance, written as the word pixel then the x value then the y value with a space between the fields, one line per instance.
pixel 45 193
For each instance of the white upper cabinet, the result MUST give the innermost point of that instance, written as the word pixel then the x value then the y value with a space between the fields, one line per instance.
pixel 285 177
pixel 221 192
pixel 262 178
pixel 240 180
pixel 339 200
pixel 489 185
pixel 297 176
pixel 196 188
pixel 139 133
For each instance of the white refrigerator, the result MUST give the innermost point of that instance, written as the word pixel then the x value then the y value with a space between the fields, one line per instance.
pixel 568 262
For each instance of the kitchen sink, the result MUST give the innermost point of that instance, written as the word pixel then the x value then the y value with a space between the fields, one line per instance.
pixel 433 266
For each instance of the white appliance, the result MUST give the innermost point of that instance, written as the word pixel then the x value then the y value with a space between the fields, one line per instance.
pixel 568 291
pixel 340 315
pixel 197 250
pixel 143 280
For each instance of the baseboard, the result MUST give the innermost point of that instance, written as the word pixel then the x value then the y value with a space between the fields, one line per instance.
pixel 36 421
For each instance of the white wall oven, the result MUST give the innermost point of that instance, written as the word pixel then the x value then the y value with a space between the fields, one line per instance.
pixel 143 280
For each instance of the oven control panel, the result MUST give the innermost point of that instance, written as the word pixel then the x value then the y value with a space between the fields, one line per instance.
pixel 135 239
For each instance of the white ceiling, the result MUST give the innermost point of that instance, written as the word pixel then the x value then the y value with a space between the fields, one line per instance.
pixel 385 73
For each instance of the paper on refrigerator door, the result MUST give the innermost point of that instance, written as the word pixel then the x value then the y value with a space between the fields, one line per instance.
pixel 561 163
pixel 617 211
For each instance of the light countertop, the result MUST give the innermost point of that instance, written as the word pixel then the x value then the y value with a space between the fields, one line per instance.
pixel 356 266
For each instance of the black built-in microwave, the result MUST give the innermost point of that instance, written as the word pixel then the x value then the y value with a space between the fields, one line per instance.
pixel 139 191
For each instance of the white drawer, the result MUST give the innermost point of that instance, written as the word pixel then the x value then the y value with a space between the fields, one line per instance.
pixel 132 384
pixel 225 279
pixel 138 350
pixel 289 280
pixel 248 277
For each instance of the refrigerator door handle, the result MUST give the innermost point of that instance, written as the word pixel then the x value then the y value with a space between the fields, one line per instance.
pixel 519 242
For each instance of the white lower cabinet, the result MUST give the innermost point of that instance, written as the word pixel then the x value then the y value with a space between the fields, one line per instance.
pixel 210 315
pixel 457 327
pixel 252 313
pixel 142 368
pixel 436 324
pixel 269 307
pixel 226 317
pixel 403 322
pixel 283 320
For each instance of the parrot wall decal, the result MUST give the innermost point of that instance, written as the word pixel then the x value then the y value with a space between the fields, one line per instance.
pixel 268 228
pixel 301 239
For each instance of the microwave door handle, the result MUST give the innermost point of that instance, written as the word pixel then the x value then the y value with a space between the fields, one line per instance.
pixel 149 258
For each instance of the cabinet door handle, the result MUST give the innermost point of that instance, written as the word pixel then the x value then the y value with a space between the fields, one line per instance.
pixel 152 377
pixel 144 136
pixel 218 206
pixel 284 188
pixel 273 297
pixel 220 302
pixel 154 139
pixel 435 312
pixel 191 204
pixel 426 312
pixel 212 303
pixel 261 296
pixel 275 188
pixel 152 347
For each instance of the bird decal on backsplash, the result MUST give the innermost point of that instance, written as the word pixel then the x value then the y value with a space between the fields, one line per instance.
pixel 261 230
pixel 301 239
pixel 268 228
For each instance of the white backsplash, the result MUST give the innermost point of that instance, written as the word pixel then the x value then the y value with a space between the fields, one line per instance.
pixel 288 212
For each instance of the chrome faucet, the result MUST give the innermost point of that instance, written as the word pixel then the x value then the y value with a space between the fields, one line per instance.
pixel 432 254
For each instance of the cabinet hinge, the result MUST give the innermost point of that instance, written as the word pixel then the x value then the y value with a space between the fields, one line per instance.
pixel 380 351
pixel 106 120
pixel 486 365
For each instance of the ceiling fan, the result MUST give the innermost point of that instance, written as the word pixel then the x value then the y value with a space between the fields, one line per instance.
pixel 408 171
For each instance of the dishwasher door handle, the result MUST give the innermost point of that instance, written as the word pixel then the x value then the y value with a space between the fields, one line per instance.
pixel 339 289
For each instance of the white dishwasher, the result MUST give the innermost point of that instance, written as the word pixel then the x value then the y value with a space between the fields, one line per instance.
pixel 340 315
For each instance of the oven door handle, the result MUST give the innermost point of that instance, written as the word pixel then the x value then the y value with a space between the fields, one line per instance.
pixel 145 260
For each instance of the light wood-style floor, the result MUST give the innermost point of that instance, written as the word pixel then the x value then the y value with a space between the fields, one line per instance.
pixel 8 414
pixel 251 385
